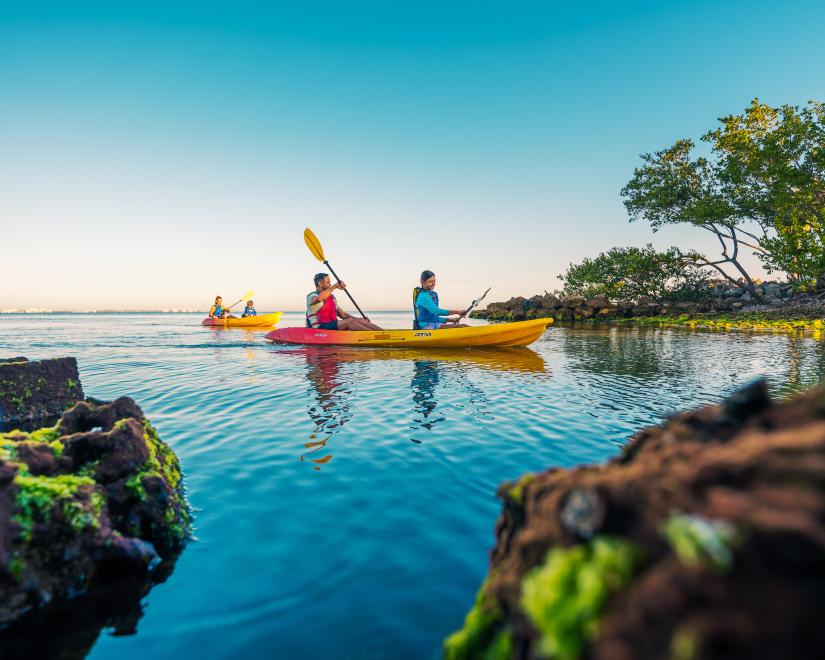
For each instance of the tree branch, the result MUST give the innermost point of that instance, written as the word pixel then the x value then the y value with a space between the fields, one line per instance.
pixel 713 264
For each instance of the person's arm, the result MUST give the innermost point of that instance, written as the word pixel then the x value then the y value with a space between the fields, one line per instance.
pixel 427 303
pixel 212 311
pixel 321 297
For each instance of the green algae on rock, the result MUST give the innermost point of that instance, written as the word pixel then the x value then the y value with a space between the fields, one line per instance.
pixel 565 597
pixel 475 637
pixel 701 542
pixel 71 520
pixel 703 539
pixel 756 321
pixel 37 497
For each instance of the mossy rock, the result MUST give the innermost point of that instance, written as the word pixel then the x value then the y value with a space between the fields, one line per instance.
pixel 99 489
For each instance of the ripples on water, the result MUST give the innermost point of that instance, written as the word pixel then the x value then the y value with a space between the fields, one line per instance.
pixel 345 498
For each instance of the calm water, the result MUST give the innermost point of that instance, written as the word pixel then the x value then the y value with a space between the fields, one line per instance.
pixel 345 499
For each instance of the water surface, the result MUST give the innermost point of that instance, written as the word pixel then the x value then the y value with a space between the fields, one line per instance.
pixel 345 498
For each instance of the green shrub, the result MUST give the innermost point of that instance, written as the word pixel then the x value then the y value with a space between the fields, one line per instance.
pixel 628 273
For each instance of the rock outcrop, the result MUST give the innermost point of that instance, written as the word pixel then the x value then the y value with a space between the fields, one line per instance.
pixel 31 391
pixel 704 539
pixel 720 297
pixel 91 510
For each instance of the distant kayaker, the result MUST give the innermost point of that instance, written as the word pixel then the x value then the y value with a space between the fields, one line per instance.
pixel 249 310
pixel 218 311
pixel 323 311
pixel 428 315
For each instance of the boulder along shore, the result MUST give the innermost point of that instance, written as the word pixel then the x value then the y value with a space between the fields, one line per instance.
pixel 729 308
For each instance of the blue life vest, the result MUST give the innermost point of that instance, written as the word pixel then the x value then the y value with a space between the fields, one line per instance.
pixel 249 311
pixel 421 315
pixel 218 310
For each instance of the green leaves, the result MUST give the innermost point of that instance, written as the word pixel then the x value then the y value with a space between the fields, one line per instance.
pixel 765 180
pixel 628 273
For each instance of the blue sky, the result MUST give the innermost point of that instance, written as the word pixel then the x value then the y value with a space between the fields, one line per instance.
pixel 155 154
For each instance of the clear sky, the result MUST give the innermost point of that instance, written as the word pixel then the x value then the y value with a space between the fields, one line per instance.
pixel 154 154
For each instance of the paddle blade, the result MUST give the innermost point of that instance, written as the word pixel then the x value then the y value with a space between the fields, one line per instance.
pixel 248 296
pixel 314 245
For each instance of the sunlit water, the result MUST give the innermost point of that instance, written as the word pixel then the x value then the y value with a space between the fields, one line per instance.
pixel 345 499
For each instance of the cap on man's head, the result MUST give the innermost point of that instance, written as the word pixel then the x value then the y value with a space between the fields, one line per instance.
pixel 319 277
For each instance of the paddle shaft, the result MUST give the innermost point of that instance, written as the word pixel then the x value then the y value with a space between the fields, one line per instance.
pixel 338 279
pixel 475 303
pixel 235 303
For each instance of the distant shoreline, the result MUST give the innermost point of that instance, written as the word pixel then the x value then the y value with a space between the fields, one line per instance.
pixel 20 312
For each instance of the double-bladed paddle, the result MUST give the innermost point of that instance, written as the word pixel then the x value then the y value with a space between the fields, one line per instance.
pixel 314 246
pixel 476 302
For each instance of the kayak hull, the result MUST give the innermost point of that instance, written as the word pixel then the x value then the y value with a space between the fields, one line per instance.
pixel 260 321
pixel 520 333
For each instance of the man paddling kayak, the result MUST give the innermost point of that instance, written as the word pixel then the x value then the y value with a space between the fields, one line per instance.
pixel 323 311
pixel 428 315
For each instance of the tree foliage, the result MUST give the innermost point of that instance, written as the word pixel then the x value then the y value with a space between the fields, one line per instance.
pixel 762 188
pixel 628 273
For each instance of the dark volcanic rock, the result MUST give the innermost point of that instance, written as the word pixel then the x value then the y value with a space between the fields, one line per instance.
pixel 36 390
pixel 94 502
pixel 704 539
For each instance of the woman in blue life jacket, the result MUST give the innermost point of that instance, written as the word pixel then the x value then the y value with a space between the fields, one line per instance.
pixel 249 310
pixel 218 311
pixel 428 315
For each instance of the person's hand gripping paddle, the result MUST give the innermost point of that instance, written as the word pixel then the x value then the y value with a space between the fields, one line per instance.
pixel 317 250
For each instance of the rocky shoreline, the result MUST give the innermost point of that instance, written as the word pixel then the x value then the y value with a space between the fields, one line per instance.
pixel 90 507
pixel 703 539
pixel 730 310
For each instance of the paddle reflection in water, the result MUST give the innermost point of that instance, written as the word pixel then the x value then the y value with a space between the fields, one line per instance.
pixel 332 406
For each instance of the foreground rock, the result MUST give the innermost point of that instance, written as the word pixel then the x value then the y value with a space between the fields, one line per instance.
pixel 31 391
pixel 705 538
pixel 91 512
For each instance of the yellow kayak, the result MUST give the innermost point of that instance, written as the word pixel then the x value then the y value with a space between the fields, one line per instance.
pixel 520 333
pixel 260 321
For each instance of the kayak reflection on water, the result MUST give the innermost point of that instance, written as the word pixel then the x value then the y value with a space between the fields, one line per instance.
pixel 333 389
